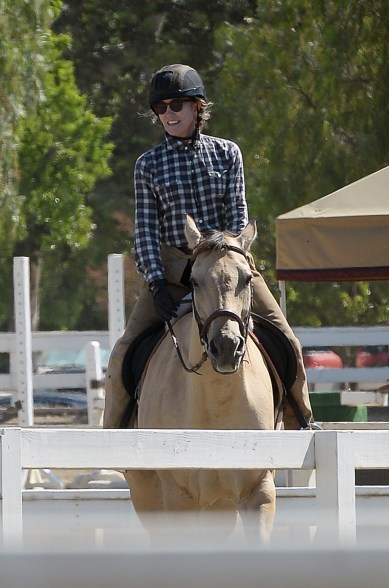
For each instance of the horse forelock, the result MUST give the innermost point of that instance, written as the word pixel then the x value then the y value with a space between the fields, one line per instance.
pixel 214 241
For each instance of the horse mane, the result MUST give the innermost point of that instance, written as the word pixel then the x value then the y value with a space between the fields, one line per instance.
pixel 214 240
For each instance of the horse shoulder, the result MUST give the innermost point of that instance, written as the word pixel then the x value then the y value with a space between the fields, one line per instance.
pixel 164 379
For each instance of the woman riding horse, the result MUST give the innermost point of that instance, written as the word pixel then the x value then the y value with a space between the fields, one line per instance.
pixel 189 173
pixel 231 389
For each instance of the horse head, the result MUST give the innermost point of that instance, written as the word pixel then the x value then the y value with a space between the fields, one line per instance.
pixel 221 283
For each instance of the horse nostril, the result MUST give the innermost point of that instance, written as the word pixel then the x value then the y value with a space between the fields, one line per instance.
pixel 227 347
pixel 213 348
pixel 240 349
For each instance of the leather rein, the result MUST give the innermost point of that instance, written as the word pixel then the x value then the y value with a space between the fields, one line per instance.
pixel 205 326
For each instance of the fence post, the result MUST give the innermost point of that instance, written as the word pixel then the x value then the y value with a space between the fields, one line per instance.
pixel 282 289
pixel 11 486
pixel 335 485
pixel 116 306
pixel 21 361
pixel 94 384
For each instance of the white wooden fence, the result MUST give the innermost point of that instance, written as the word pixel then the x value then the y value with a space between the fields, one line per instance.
pixel 21 345
pixel 369 379
pixel 333 454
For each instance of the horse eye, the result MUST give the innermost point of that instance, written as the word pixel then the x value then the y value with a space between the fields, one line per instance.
pixel 248 280
pixel 194 283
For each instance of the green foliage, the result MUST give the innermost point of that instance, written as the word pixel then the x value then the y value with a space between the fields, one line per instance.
pixel 334 304
pixel 62 154
pixel 22 46
pixel 59 151
pixel 303 88
pixel 116 48
pixel 311 79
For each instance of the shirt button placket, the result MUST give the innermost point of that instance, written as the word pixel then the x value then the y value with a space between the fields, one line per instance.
pixel 195 193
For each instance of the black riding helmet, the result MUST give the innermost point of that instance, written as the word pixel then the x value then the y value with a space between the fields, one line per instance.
pixel 175 81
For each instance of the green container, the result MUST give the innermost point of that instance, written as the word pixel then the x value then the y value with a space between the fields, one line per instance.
pixel 326 407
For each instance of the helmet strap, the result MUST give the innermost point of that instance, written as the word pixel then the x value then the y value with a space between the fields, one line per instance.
pixel 196 135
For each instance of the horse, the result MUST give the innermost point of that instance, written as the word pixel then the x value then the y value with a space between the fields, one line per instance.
pixel 231 389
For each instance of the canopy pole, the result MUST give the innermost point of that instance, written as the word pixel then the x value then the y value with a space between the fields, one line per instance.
pixel 281 285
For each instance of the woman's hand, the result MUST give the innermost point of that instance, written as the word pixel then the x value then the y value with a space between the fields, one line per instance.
pixel 164 303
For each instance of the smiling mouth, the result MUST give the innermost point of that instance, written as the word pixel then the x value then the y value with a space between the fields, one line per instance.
pixel 173 122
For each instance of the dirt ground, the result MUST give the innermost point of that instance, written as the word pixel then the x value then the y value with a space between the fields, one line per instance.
pixel 54 417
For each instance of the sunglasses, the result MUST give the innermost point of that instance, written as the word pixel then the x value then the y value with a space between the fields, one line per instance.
pixel 175 105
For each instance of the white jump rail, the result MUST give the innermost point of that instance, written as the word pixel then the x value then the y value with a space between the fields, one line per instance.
pixel 333 454
pixel 293 567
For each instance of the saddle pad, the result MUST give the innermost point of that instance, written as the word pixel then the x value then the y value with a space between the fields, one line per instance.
pixel 138 354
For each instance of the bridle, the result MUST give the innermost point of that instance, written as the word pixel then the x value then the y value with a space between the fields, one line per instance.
pixel 205 326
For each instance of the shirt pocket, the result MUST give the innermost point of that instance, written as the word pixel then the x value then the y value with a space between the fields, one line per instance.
pixel 216 182
pixel 171 193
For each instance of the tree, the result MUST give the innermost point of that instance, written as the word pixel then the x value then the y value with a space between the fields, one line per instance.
pixel 116 47
pixel 22 44
pixel 63 152
pixel 304 89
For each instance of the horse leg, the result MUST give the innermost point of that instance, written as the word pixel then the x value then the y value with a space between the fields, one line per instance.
pixel 191 520
pixel 145 489
pixel 148 502
pixel 219 521
pixel 258 510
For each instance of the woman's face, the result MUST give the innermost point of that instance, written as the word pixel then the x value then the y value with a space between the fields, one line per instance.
pixel 180 124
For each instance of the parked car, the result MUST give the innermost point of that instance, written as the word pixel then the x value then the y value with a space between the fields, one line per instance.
pixel 321 358
pixel 72 361
pixel 66 362
pixel 373 356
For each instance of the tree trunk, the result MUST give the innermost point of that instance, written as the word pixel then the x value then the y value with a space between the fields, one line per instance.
pixel 36 264
pixel 24 249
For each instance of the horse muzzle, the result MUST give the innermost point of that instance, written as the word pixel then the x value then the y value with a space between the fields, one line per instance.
pixel 224 346
pixel 226 351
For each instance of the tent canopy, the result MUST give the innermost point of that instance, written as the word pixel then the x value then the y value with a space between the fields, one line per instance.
pixel 342 236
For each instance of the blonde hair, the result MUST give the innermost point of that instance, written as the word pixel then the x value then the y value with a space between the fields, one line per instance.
pixel 204 109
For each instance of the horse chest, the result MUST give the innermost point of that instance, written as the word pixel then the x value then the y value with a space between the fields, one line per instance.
pixel 205 488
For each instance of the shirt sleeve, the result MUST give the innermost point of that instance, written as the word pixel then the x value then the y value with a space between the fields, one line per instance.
pixel 235 199
pixel 147 241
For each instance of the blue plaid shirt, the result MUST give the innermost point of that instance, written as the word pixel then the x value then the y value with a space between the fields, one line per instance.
pixel 174 179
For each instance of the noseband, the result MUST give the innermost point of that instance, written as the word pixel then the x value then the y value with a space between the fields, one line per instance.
pixel 204 327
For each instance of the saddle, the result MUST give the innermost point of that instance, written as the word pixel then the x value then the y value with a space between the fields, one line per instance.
pixel 278 347
pixel 279 356
pixel 278 351
pixel 137 356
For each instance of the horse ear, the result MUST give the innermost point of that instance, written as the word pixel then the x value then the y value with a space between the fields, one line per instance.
pixel 248 235
pixel 192 233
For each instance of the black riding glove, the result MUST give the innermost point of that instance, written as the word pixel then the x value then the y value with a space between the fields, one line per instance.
pixel 165 305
